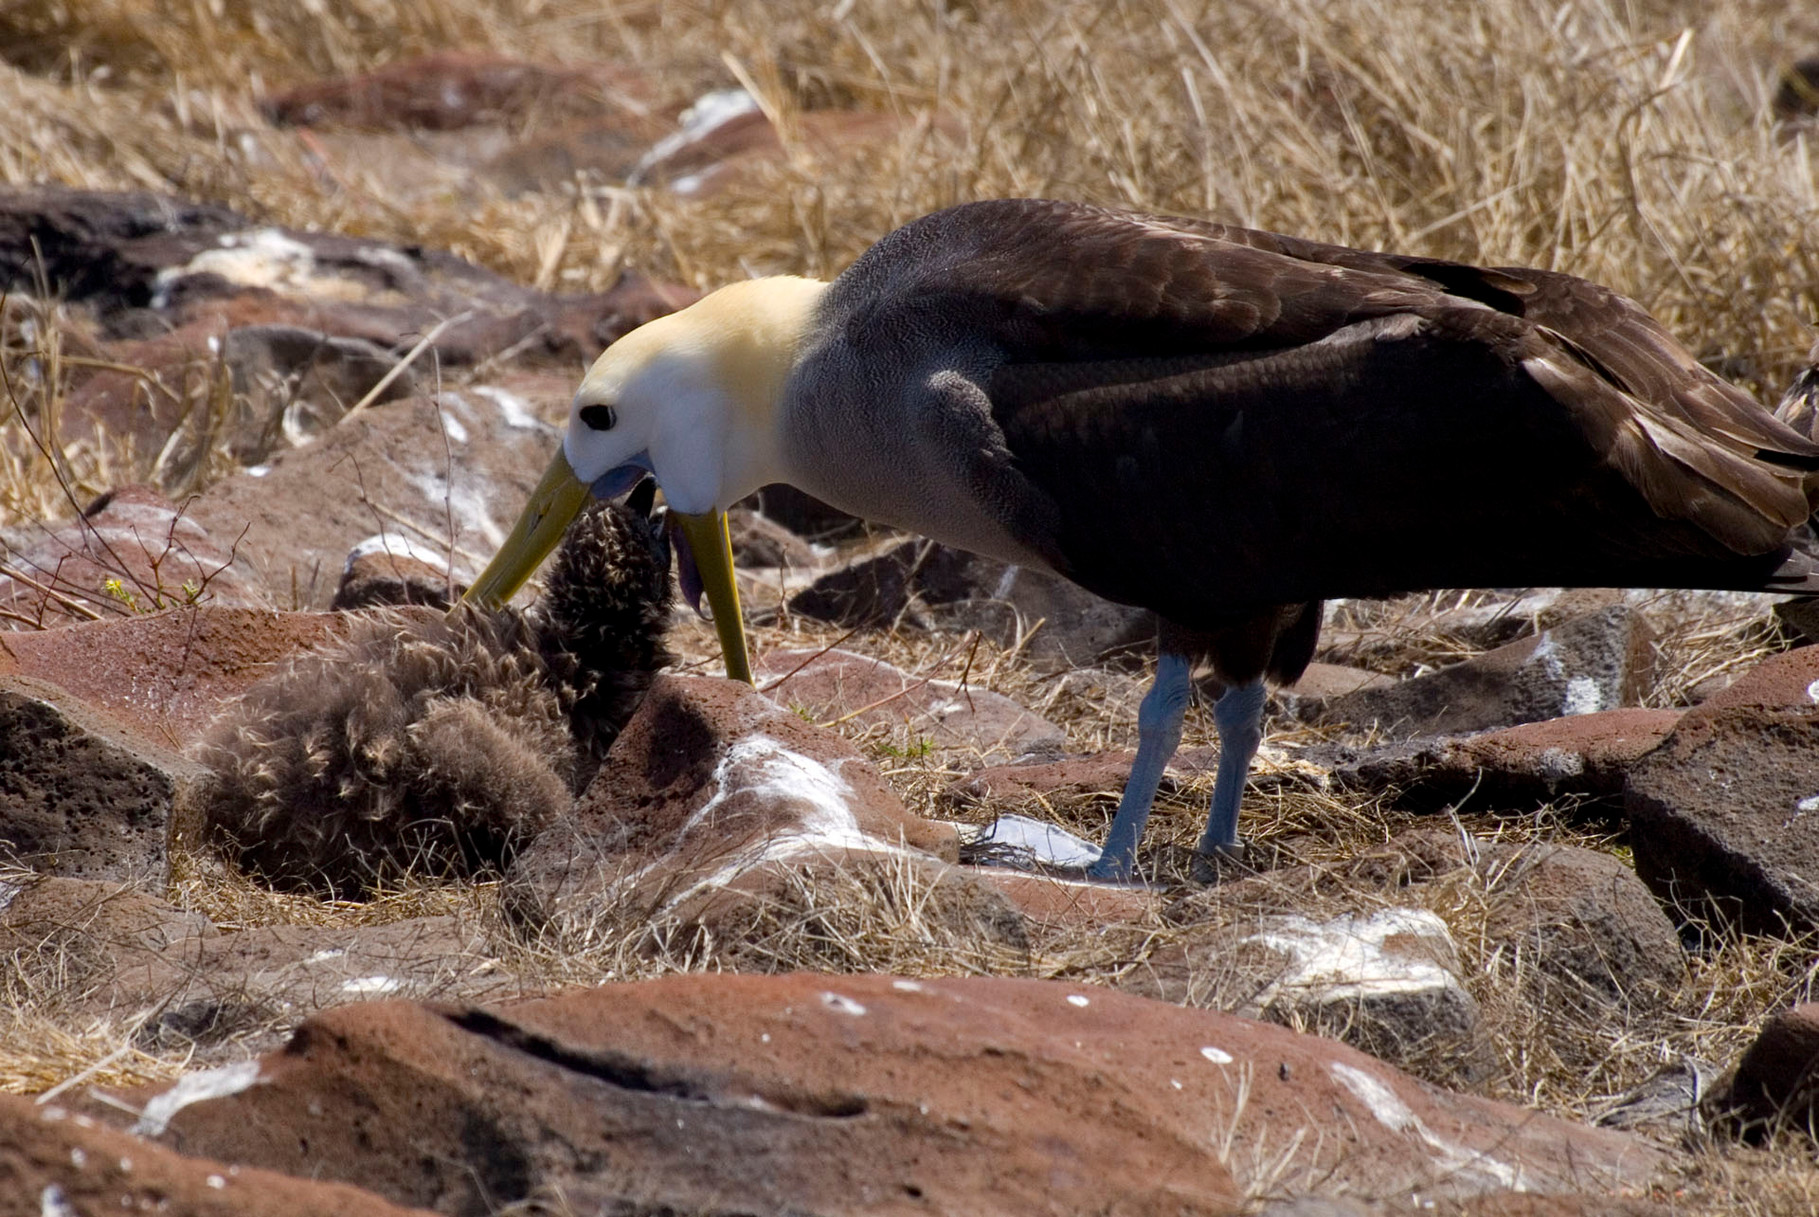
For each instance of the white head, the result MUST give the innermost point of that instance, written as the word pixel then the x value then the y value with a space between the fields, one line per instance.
pixel 692 397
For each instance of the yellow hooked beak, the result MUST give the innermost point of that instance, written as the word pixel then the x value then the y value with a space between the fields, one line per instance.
pixel 554 504
pixel 712 547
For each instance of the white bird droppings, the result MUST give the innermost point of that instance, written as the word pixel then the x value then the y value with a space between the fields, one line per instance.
pixel 1175 1082
pixel 1812 691
pixel 216 1182
pixel 53 1203
pixel 1217 1056
pixel 514 410
pixel 1809 803
pixel 455 430
pixel 906 986
pixel 844 1005
pixel 326 954
pixel 397 545
pixel 1078 999
pixel 1391 1112
pixel 1583 696
pixel 371 984
pixel 194 1088
pixel 78 1157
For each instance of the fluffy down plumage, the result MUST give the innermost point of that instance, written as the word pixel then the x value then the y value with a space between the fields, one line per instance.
pixel 426 744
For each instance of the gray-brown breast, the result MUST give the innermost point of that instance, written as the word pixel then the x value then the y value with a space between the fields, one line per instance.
pixel 1220 419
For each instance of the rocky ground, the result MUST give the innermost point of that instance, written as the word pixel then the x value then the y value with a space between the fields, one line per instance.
pixel 1525 926
pixel 1527 871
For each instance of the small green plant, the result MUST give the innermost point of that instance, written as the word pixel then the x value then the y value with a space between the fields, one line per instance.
pixel 912 752
pixel 116 588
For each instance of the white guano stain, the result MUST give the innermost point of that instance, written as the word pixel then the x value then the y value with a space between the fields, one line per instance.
pixel 194 1088
pixel 1812 691
pixel 906 986
pixel 710 111
pixel 53 1203
pixel 398 546
pixel 842 1004
pixel 1387 1107
pixel 469 506
pixel 1809 803
pixel 1346 958
pixel 1217 1056
pixel 1078 999
pixel 761 766
pixel 363 986
pixel 1583 696
pixel 264 257
pixel 513 410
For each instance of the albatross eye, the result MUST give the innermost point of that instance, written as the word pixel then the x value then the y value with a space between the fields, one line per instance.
pixel 599 418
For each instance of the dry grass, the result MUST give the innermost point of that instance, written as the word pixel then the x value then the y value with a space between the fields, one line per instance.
pixel 1624 140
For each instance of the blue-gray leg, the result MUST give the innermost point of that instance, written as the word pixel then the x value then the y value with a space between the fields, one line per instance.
pixel 1239 716
pixel 1158 734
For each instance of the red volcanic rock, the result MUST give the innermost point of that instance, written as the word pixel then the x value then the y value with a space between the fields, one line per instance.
pixel 285 379
pixel 1583 756
pixel 1600 661
pixel 843 685
pixel 80 794
pixel 708 790
pixel 453 89
pixel 409 471
pixel 711 156
pixel 164 675
pixel 132 551
pixel 868 1094
pixel 54 1163
pixel 1073 780
pixel 1057 905
pixel 1776 1082
pixel 1725 813
pixel 148 266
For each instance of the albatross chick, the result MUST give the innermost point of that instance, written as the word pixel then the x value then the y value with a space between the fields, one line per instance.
pixel 1221 425
pixel 428 744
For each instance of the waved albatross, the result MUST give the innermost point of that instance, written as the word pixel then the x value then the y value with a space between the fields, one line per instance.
pixel 1221 425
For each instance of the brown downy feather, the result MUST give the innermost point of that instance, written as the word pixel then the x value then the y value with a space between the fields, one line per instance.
pixel 424 744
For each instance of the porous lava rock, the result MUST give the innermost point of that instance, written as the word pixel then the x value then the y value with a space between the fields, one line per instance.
pixel 922 712
pixel 1386 982
pixel 1584 758
pixel 55 1163
pixel 83 795
pixel 1724 815
pixel 811 1093
pixel 1053 623
pixel 413 471
pixel 709 795
pixel 1775 1083
pixel 1600 661
pixel 164 675
pixel 130 551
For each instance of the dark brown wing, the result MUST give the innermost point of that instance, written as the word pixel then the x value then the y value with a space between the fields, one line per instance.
pixel 1350 422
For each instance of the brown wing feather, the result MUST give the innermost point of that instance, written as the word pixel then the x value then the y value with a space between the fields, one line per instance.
pixel 1100 299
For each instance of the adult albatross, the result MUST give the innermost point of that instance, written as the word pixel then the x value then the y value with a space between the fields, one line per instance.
pixel 1221 425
